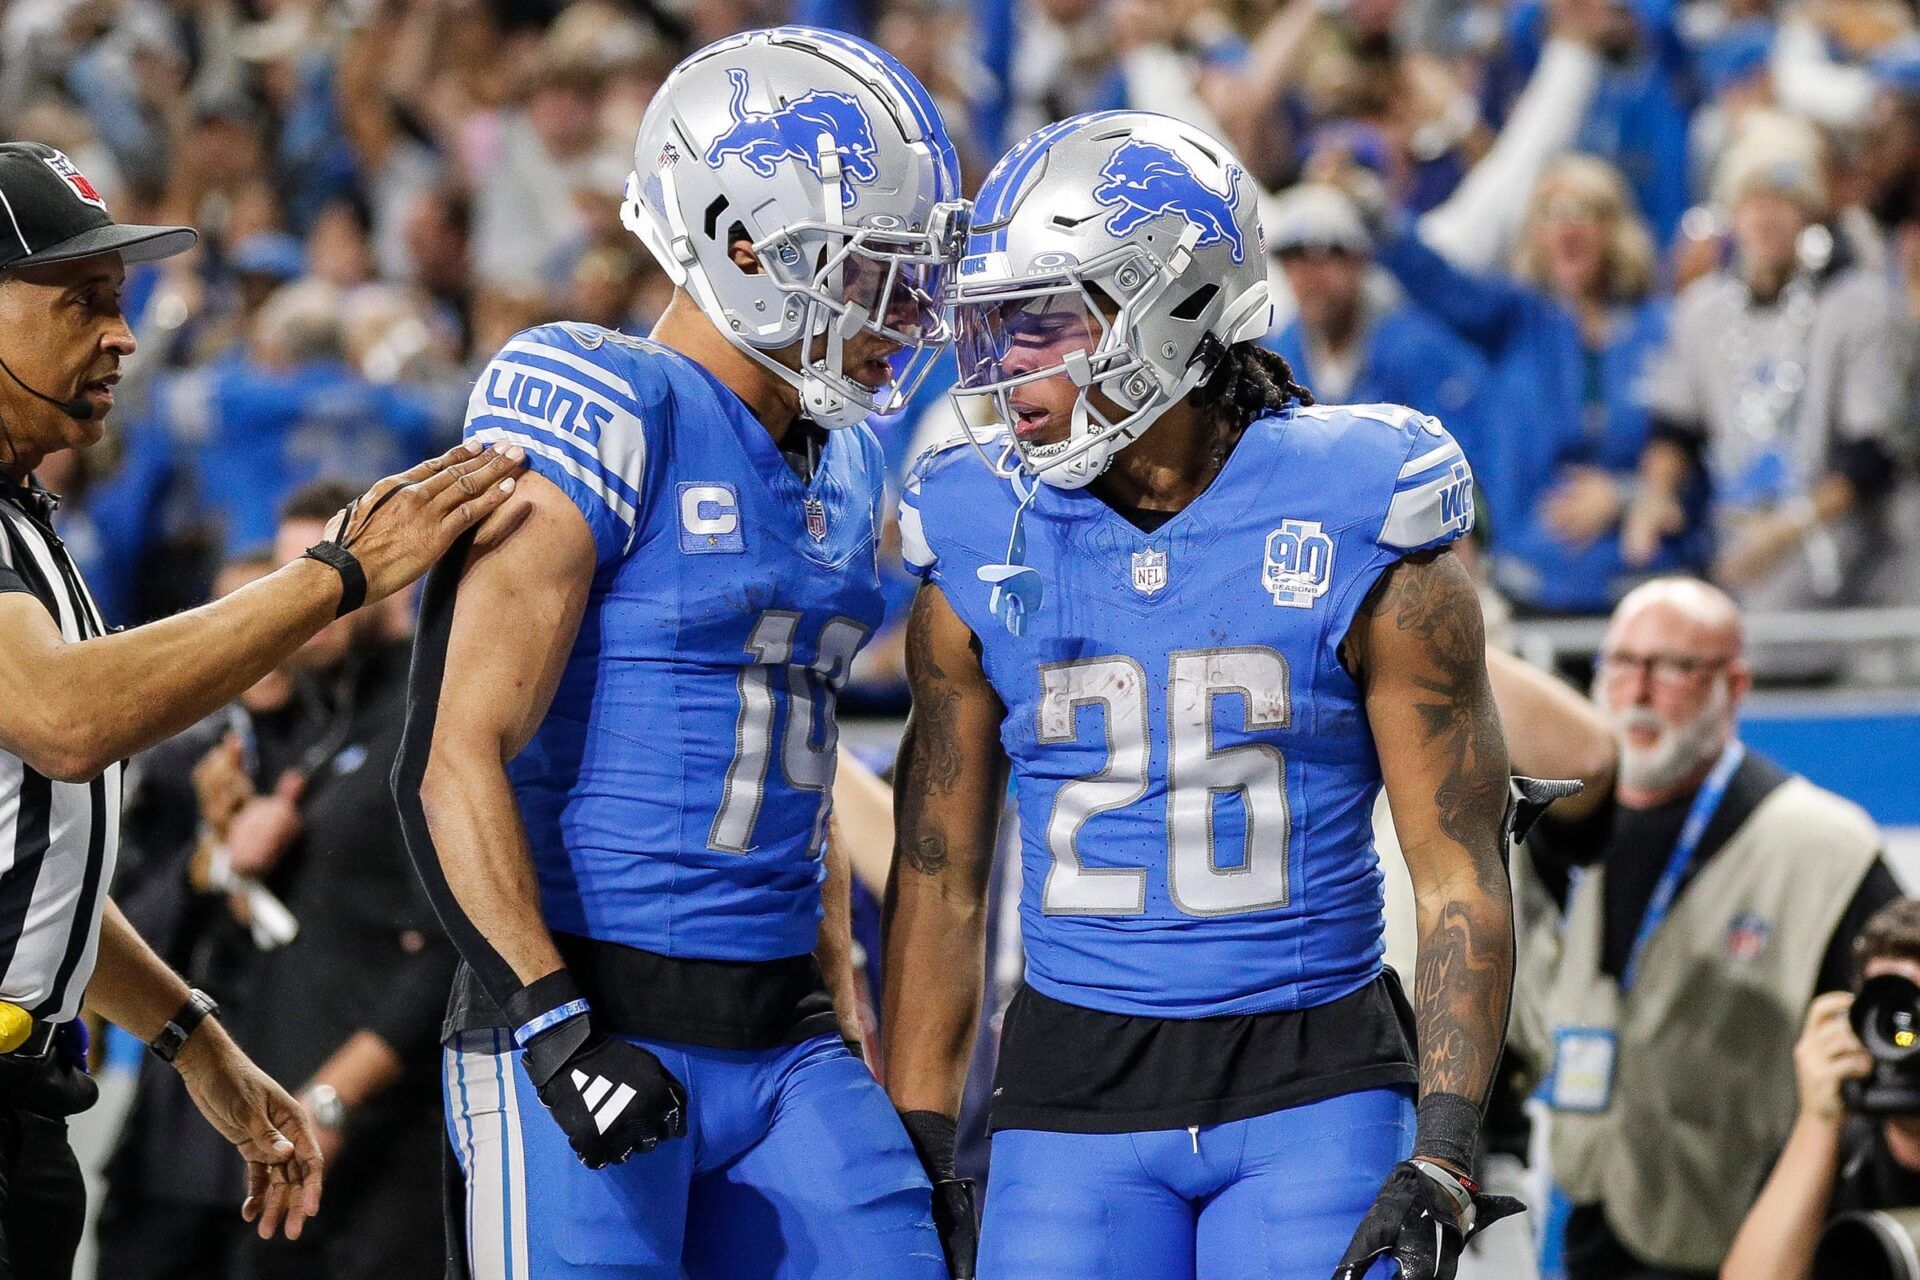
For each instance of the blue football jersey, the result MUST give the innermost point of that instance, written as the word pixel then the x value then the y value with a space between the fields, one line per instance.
pixel 676 794
pixel 1193 767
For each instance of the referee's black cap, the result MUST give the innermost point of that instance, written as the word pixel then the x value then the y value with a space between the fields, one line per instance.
pixel 49 212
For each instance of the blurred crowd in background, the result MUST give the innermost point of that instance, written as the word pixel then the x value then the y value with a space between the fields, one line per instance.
pixel 1656 264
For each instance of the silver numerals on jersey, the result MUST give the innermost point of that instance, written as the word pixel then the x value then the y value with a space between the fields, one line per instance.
pixel 1198 772
pixel 806 748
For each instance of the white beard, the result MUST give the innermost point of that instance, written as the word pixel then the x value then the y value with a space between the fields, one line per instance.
pixel 1680 749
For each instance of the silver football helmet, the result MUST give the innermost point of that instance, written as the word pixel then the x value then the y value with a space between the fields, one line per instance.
pixel 1120 249
pixel 834 160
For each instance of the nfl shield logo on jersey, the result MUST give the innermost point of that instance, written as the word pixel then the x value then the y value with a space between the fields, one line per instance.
pixel 1149 571
pixel 816 519
pixel 1299 563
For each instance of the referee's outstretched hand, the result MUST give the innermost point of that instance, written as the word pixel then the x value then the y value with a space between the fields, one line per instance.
pixel 264 1123
pixel 401 527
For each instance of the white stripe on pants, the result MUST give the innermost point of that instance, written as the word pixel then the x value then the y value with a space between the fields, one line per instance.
pixel 482 1085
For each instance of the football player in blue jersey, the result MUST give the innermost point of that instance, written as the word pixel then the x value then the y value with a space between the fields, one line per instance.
pixel 1202 621
pixel 619 798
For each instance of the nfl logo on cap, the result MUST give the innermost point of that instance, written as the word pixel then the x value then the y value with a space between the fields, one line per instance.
pixel 74 179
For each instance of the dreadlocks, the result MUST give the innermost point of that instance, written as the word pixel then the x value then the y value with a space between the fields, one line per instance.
pixel 1250 383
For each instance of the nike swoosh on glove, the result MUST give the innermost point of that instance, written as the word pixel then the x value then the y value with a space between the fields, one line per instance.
pixel 611 1098
pixel 1421 1219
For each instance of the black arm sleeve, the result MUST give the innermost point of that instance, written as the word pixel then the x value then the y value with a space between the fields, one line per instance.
pixel 410 770
pixel 1877 889
pixel 11 581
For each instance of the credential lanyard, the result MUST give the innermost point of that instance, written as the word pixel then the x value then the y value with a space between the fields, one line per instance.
pixel 1705 803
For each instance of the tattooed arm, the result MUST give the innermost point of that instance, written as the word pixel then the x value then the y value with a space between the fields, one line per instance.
pixel 947 793
pixel 1419 652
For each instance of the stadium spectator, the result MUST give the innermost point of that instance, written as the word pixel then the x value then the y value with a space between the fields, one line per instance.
pixel 534 200
pixel 1836 1160
pixel 1637 120
pixel 1351 345
pixel 1784 382
pixel 255 428
pixel 352 1005
pixel 1568 342
pixel 1708 896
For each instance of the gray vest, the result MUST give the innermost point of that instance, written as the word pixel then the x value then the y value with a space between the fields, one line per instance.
pixel 1703 1089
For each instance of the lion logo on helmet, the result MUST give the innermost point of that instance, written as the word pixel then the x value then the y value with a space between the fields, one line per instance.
pixel 1145 180
pixel 762 139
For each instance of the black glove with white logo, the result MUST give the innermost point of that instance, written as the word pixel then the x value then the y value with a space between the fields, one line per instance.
pixel 1426 1212
pixel 611 1098
pixel 1422 1218
pixel 953 1211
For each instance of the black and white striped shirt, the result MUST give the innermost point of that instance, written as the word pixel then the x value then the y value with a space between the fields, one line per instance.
pixel 58 840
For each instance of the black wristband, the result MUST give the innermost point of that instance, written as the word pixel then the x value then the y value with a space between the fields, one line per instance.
pixel 1447 1127
pixel 932 1135
pixel 353 579
pixel 198 1008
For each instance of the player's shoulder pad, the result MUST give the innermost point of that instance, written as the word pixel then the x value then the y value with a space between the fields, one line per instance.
pixel 578 399
pixel 1410 464
pixel 948 485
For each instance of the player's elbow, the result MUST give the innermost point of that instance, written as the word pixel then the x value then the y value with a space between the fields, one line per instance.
pixel 459 769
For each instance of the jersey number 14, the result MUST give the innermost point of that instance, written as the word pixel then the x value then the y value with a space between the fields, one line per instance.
pixel 806 748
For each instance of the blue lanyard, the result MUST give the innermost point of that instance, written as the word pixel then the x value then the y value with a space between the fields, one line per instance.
pixel 1705 804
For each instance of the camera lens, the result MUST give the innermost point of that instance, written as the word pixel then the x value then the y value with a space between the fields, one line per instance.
pixel 1887 1018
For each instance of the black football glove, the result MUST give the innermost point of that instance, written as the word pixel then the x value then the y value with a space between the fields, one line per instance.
pixel 611 1098
pixel 1421 1219
pixel 953 1211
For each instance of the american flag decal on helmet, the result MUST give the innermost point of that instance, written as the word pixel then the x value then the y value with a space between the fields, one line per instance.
pixel 74 179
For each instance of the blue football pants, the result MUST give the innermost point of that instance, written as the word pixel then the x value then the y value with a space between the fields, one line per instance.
pixel 794 1167
pixel 1276 1197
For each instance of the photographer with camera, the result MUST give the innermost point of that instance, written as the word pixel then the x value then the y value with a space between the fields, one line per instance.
pixel 1855 1144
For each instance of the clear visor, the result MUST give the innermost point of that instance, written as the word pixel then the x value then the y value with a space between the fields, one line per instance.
pixel 877 304
pixel 1006 338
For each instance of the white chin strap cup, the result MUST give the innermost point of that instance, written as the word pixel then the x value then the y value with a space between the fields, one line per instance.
pixel 828 407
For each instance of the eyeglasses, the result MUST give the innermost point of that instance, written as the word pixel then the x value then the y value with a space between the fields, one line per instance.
pixel 1666 670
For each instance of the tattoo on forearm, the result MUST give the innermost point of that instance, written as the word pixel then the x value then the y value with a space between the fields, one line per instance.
pixel 1464 978
pixel 1435 601
pixel 1461 986
pixel 929 751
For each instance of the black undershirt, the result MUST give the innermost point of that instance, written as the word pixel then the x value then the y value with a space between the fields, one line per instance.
pixel 1066 1069
pixel 1634 845
pixel 1141 518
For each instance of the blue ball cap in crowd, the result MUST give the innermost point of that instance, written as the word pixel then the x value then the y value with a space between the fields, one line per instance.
pixel 269 253
pixel 49 212
pixel 1896 68
pixel 1736 53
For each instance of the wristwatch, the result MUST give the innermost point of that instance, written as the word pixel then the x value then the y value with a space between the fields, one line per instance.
pixel 197 1009
pixel 325 1106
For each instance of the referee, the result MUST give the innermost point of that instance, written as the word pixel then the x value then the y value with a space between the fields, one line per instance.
pixel 76 700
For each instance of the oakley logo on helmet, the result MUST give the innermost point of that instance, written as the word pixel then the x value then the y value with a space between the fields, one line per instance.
pixel 1145 180
pixel 74 179
pixel 762 139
